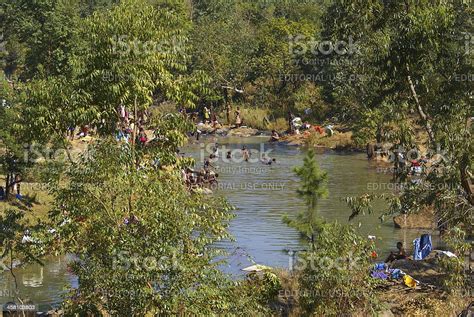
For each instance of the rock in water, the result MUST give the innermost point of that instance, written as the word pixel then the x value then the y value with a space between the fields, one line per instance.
pixel 423 220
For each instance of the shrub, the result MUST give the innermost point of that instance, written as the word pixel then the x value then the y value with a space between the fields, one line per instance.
pixel 334 277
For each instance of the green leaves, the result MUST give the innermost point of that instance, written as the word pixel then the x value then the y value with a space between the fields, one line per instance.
pixel 140 229
pixel 134 54
pixel 337 268
pixel 313 188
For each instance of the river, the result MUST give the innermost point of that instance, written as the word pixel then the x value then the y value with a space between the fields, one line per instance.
pixel 262 194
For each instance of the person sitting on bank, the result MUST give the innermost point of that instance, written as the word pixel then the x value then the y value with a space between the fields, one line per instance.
pixel 400 254
pixel 2 193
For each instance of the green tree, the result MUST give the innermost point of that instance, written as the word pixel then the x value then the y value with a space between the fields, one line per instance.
pixel 313 188
pixel 413 66
pixel 41 37
pixel 332 275
pixel 132 61
pixel 12 151
pixel 411 55
pixel 143 242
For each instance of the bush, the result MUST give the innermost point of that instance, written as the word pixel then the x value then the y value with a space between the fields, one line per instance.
pixel 257 118
pixel 334 278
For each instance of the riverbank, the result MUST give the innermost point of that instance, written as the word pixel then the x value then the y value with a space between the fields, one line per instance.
pixel 395 298
pixel 339 140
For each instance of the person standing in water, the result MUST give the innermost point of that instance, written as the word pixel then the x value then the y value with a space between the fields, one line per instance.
pixel 245 154
pixel 290 121
pixel 238 119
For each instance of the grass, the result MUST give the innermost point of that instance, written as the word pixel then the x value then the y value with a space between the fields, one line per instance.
pixel 257 118
pixel 339 140
pixel 36 201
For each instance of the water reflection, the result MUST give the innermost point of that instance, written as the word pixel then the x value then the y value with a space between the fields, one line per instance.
pixel 42 286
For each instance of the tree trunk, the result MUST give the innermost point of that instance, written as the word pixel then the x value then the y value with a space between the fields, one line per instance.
pixel 466 184
pixel 7 186
pixel 420 110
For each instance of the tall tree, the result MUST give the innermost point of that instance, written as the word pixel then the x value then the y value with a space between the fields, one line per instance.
pixel 413 58
pixel 40 37
pixel 313 188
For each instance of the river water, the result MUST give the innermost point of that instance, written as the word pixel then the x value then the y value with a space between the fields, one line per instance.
pixel 262 194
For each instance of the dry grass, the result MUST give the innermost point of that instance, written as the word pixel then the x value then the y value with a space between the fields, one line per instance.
pixel 260 118
pixel 340 140
pixel 280 125
pixel 288 296
pixel 256 118
pixel 408 303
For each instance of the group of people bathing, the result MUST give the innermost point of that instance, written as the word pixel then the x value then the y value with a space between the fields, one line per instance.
pixel 206 177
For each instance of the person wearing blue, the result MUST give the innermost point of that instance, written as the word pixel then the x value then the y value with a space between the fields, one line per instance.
pixel 2 193
pixel 422 247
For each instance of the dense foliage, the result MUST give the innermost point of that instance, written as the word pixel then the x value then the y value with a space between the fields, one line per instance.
pixel 333 278
pixel 397 73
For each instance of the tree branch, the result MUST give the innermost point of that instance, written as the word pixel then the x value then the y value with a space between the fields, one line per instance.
pixel 419 108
